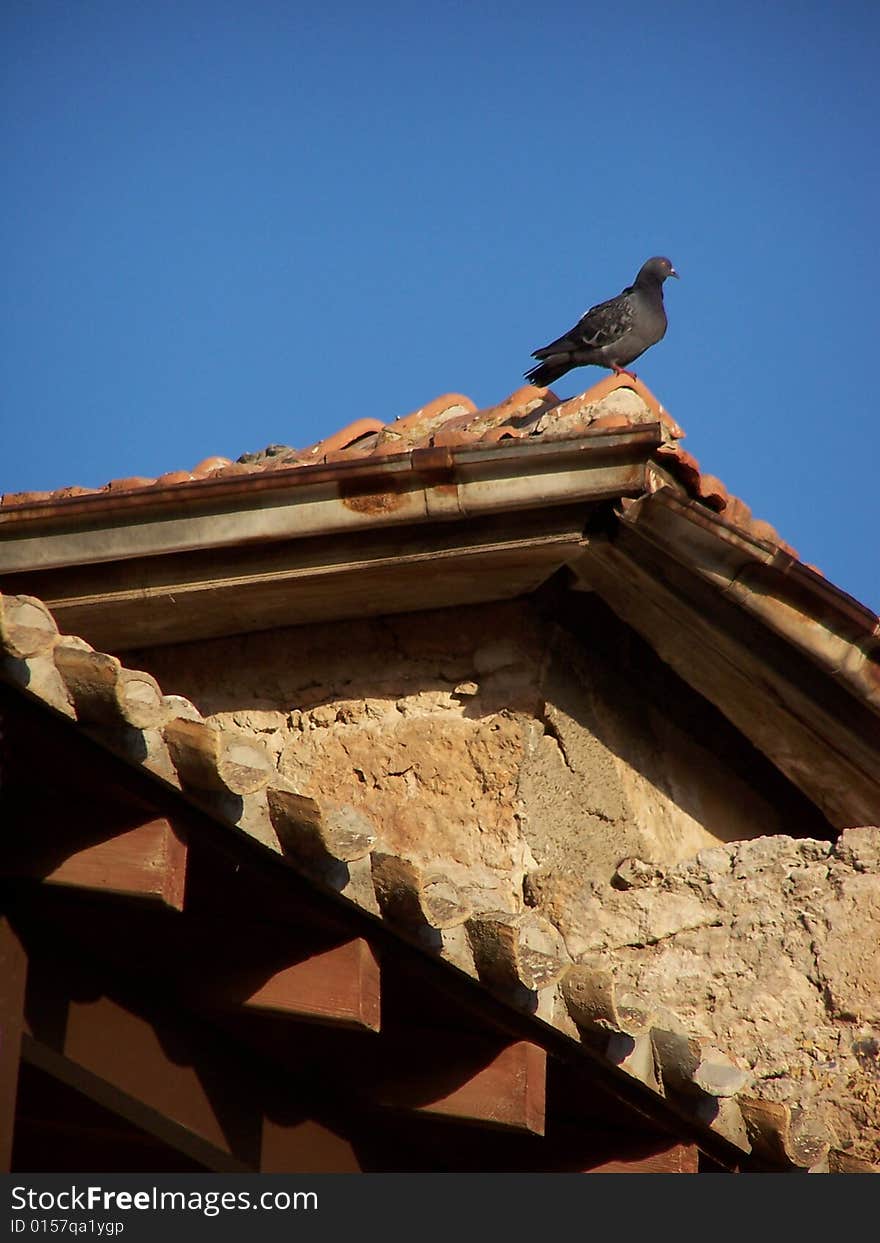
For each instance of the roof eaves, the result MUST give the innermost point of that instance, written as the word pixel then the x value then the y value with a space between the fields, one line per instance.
pixel 788 659
pixel 290 503
pixel 841 635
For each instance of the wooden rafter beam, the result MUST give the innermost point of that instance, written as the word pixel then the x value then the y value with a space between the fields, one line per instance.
pixel 70 817
pixel 13 973
pixel 451 1073
pixel 338 985
pixel 214 966
pixel 173 1076
pixel 147 860
pixel 160 1071
pixel 676 1159
pixel 163 1072
pixel 190 1131
pixel 503 1088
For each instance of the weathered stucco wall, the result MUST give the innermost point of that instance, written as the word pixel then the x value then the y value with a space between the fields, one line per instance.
pixel 491 740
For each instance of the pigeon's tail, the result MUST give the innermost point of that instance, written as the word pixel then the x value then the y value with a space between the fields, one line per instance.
pixel 549 370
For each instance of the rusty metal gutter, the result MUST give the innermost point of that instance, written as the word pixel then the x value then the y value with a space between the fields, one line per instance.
pixel 423 485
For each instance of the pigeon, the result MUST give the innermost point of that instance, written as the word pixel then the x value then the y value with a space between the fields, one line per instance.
pixel 613 333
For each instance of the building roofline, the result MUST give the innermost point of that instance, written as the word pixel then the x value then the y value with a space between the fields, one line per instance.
pixel 420 485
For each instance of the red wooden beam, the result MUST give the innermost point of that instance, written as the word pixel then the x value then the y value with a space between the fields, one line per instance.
pixel 182 1132
pixel 461 1078
pixel 338 985
pixel 147 860
pixel 73 816
pixel 165 1075
pixel 220 966
pixel 676 1159
pixel 174 1076
pixel 13 973
pixel 305 1147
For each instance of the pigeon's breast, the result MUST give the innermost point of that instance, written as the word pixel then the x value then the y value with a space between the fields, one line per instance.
pixel 647 328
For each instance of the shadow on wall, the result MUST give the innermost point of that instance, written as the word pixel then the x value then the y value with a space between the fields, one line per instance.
pixel 606 678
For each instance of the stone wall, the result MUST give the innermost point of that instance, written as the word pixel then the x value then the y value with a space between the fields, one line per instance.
pixel 767 947
pixel 492 740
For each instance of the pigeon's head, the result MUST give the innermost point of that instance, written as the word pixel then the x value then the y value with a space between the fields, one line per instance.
pixel 656 269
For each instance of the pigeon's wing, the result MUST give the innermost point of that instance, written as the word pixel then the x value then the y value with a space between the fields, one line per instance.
pixel 601 325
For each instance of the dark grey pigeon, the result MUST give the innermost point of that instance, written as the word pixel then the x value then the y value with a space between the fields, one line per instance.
pixel 612 334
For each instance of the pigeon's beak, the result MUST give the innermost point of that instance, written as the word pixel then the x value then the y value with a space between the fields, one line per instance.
pixel 672 272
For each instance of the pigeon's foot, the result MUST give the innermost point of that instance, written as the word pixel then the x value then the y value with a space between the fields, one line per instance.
pixel 623 371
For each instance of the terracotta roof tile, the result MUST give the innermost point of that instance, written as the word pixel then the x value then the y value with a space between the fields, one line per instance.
pixel 209 465
pixel 455 432
pixel 504 431
pixel 518 412
pixel 520 409
pixel 449 420
pixel 424 425
pixel 681 464
pixel 130 485
pixel 613 383
pixel 75 490
pixel 761 530
pixel 350 435
pixel 449 405
pixel 364 446
pixel 27 498
pixel 713 492
pixel 737 512
pixel 172 477
pixel 617 402
pixel 684 467
pixel 528 397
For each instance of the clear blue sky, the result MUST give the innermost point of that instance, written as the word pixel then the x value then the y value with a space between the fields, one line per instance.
pixel 230 224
